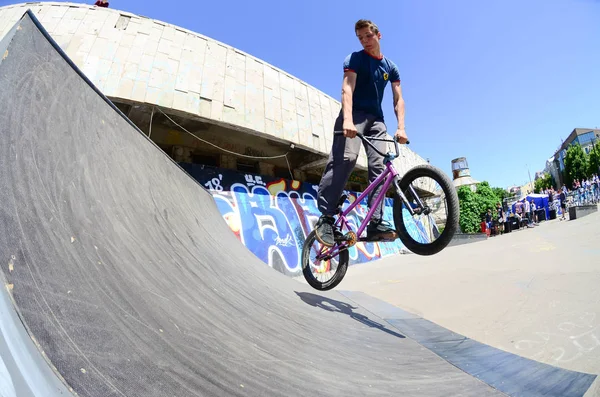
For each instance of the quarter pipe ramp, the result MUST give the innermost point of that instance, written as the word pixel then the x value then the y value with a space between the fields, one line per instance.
pixel 120 277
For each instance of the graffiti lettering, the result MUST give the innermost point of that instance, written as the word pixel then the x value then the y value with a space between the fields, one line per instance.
pixel 287 242
pixel 567 342
pixel 215 184
pixel 272 216
pixel 252 180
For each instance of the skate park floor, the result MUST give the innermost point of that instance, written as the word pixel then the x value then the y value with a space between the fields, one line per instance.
pixel 533 292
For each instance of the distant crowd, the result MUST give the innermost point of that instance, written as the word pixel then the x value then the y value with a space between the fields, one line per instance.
pixel 586 191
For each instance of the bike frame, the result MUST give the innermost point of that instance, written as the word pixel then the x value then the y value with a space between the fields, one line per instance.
pixel 387 177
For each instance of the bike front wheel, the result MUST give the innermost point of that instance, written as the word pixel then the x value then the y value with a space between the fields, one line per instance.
pixel 432 196
pixel 323 267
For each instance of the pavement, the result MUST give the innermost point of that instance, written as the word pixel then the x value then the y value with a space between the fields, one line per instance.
pixel 532 292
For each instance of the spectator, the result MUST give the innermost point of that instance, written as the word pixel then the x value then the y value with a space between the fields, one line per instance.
pixel 101 3
pixel 500 218
pixel 488 219
pixel 563 203
pixel 527 212
pixel 534 213
pixel 518 211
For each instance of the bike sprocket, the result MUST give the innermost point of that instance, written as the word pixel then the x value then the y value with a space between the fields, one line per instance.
pixel 350 238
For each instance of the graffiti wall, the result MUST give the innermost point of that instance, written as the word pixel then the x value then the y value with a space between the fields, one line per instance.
pixel 272 216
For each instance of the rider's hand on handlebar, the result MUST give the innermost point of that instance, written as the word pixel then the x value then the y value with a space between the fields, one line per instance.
pixel 401 136
pixel 349 129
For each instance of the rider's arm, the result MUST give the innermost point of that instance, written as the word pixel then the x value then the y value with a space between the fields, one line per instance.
pixel 398 103
pixel 348 85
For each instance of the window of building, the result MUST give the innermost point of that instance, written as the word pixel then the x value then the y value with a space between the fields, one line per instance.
pixel 313 179
pixel 206 159
pixel 247 166
pixel 586 138
pixel 281 172
pixel 122 22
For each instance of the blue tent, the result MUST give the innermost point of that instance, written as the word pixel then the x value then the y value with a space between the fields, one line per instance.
pixel 541 200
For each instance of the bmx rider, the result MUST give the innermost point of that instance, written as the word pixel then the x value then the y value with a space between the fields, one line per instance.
pixel 366 74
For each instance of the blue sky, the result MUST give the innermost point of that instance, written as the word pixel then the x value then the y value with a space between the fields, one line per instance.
pixel 501 83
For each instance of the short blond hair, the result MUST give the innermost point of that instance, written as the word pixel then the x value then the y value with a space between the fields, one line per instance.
pixel 365 23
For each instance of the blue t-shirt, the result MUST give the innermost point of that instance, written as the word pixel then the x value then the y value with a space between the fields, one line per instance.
pixel 372 75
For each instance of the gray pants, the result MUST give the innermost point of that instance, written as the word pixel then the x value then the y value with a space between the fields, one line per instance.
pixel 342 160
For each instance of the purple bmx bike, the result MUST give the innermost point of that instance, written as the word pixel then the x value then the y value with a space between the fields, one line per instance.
pixel 425 213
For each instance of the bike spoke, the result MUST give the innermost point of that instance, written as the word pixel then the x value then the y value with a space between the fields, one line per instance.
pixel 322 266
pixel 428 202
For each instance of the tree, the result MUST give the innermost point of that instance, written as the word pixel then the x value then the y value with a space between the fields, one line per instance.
pixel 576 164
pixel 469 209
pixel 594 160
pixel 474 205
pixel 486 197
pixel 500 193
pixel 545 182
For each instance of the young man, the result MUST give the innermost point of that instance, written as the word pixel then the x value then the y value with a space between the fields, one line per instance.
pixel 366 74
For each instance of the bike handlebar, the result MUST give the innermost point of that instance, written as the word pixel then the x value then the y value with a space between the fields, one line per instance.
pixel 368 139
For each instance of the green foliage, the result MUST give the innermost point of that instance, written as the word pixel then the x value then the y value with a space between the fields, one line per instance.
pixel 486 197
pixel 576 164
pixel 474 205
pixel 545 182
pixel 594 160
pixel 469 209
pixel 500 193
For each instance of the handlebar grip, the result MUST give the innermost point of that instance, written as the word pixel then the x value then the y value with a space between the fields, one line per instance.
pixel 407 142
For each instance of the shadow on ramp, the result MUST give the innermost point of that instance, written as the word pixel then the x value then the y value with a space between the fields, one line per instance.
pixel 333 305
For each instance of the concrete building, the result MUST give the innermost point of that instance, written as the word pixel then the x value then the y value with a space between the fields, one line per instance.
pixel 552 168
pixel 461 174
pixel 166 79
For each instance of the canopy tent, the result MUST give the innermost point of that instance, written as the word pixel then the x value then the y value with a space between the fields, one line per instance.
pixel 541 201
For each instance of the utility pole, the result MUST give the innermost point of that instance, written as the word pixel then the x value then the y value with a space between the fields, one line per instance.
pixel 530 183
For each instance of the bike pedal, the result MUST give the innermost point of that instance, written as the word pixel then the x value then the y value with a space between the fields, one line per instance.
pixel 339 238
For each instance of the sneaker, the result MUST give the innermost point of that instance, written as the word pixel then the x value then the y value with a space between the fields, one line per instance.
pixel 324 230
pixel 380 230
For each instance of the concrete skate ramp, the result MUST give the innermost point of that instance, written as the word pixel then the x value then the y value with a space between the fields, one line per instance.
pixel 121 278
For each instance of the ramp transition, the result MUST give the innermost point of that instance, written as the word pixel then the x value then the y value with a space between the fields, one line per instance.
pixel 121 278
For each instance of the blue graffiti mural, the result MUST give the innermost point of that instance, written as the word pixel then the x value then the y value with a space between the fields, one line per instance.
pixel 272 216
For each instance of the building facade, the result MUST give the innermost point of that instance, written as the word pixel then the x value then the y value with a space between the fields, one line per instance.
pixel 585 137
pixel 461 174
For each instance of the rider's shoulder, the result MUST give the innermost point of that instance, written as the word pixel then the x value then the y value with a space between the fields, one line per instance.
pixel 356 55
pixel 389 62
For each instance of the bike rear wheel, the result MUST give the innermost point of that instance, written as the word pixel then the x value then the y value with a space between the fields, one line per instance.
pixel 313 262
pixel 432 194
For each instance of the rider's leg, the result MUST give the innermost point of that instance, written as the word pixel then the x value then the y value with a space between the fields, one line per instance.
pixel 377 228
pixel 342 160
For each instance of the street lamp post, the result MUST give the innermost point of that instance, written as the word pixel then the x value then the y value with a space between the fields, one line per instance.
pixel 530 183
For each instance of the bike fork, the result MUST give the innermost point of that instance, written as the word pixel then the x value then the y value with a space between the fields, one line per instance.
pixel 401 194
